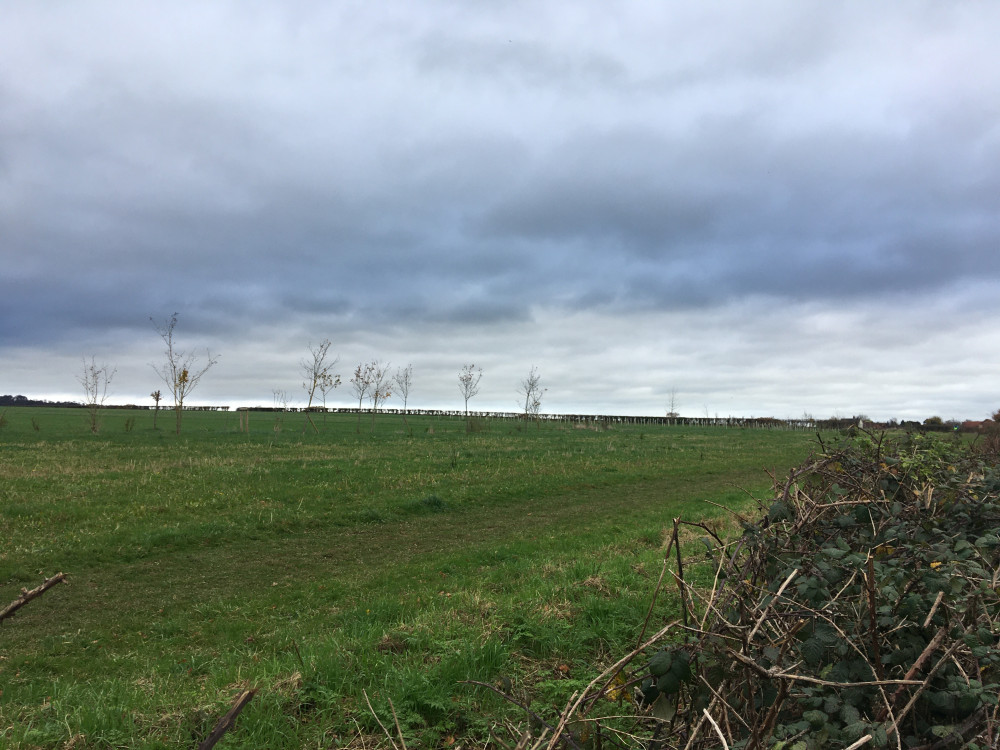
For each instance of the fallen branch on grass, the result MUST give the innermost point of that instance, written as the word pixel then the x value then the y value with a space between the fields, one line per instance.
pixel 226 722
pixel 26 596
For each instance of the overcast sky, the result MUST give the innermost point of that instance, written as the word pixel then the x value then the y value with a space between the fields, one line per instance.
pixel 768 208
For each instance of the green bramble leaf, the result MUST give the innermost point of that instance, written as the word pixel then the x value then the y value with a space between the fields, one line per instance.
pixel 660 664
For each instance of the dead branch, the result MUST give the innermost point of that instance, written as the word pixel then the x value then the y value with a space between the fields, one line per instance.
pixel 226 722
pixel 26 596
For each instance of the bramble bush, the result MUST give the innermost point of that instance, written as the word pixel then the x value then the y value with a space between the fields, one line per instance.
pixel 859 609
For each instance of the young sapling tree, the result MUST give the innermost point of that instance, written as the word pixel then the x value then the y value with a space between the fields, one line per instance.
pixel 379 390
pixel 672 404
pixel 404 382
pixel 318 376
pixel 468 384
pixel 156 396
pixel 181 371
pixel 531 392
pixel 325 386
pixel 361 383
pixel 95 379
pixel 280 406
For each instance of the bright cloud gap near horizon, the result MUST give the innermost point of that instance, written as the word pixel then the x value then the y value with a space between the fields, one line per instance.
pixel 769 210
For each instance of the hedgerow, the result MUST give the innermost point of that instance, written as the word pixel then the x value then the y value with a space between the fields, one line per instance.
pixel 859 608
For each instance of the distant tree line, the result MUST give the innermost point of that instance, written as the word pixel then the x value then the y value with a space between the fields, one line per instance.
pixel 25 401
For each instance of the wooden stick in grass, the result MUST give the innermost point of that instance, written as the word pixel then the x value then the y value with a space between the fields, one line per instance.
pixel 26 596
pixel 226 722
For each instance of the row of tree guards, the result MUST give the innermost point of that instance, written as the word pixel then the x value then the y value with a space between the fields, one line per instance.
pixel 767 423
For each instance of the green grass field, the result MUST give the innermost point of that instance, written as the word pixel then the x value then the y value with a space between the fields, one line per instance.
pixel 320 568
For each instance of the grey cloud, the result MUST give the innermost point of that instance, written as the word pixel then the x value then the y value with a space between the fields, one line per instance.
pixel 454 168
pixel 508 64
pixel 804 210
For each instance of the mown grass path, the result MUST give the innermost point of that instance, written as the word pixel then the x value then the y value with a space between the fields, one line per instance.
pixel 359 554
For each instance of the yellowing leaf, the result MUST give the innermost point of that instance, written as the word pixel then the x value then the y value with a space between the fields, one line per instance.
pixel 618 691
